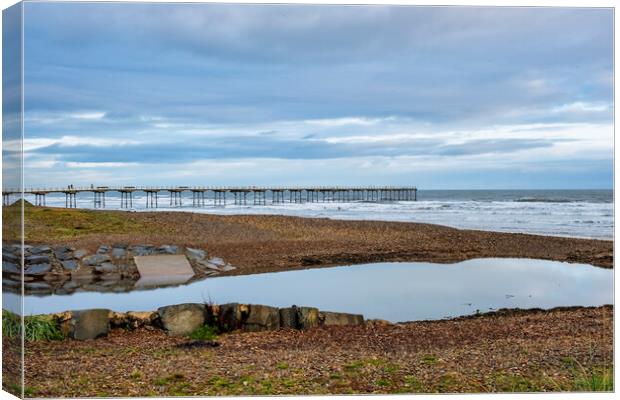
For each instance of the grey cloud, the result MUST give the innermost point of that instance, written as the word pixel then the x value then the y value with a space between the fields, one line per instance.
pixel 234 147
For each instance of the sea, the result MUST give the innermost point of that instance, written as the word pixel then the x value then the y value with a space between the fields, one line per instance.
pixel 569 213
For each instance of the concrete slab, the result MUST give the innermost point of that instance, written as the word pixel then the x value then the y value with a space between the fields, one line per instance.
pixel 158 270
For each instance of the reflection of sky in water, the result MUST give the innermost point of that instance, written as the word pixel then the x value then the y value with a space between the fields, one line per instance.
pixel 392 291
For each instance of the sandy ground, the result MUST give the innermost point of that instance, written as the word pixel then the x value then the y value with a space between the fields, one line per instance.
pixel 560 349
pixel 261 243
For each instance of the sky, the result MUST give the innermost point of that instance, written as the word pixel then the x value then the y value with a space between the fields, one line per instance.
pixel 437 97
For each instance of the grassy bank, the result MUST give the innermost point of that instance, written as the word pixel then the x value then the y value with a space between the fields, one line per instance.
pixel 556 350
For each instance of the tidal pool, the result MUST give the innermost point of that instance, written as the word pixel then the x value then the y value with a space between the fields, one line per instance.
pixel 393 291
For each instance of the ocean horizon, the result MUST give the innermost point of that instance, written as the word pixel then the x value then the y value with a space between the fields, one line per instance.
pixel 579 213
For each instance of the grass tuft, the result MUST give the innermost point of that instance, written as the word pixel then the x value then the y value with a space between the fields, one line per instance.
pixel 594 380
pixel 36 327
pixel 205 332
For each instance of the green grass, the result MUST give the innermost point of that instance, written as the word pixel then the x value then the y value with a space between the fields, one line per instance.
pixel 205 332
pixel 282 365
pixel 429 360
pixel 163 381
pixel 37 327
pixel 135 375
pixel 599 380
pixel 11 324
pixel 57 224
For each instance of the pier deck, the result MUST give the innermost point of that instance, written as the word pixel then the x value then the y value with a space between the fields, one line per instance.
pixel 200 194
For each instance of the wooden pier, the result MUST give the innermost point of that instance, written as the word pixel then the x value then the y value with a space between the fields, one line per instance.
pixel 200 195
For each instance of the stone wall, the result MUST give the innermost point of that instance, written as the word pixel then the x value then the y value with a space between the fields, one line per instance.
pixel 111 268
pixel 183 319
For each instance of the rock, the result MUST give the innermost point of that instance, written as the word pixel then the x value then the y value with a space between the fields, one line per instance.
pixel 232 316
pixel 340 319
pixel 141 318
pixel 307 317
pixel 227 267
pixel 142 250
pixel 379 322
pixel 39 259
pixel 83 274
pixel 90 324
pixel 62 249
pixel 262 318
pixel 288 318
pixel 54 277
pixel 63 253
pixel 96 259
pixel 69 265
pixel 10 283
pixel 10 268
pixel 40 250
pixel 217 261
pixel 106 268
pixel 102 249
pixel 110 278
pixel 133 319
pixel 37 286
pixel 182 319
pixel 208 265
pixel 70 285
pixel 118 252
pixel 38 269
pixel 167 249
pixel 10 257
pixel 120 246
pixel 79 253
pixel 195 254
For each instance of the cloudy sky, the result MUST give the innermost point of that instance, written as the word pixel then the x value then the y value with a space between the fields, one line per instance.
pixel 256 95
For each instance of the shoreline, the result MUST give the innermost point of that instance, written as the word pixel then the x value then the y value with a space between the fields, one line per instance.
pixel 271 243
pixel 505 351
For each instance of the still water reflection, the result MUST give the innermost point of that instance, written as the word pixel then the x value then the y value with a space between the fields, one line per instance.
pixel 391 291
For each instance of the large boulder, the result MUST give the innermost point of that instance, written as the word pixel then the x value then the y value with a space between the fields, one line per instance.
pixel 182 319
pixel 89 324
pixel 307 317
pixel 288 317
pixel 262 318
pixel 232 316
pixel 341 319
